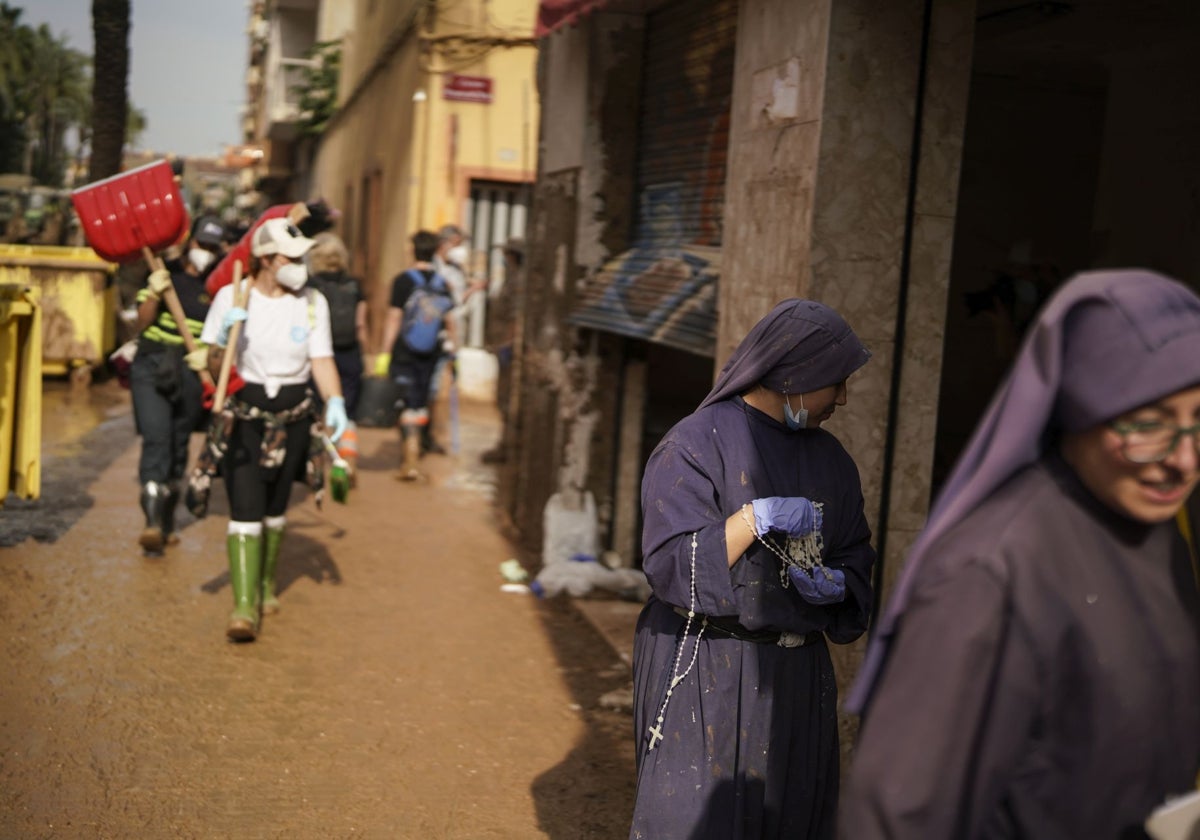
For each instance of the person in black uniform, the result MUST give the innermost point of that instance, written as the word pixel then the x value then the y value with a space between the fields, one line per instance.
pixel 163 380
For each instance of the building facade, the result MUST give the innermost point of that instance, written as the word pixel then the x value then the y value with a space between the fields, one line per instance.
pixel 930 168
pixel 435 123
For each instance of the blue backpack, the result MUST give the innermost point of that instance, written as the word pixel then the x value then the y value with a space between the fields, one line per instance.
pixel 424 312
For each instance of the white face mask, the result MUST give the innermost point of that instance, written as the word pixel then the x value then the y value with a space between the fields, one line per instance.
pixel 292 276
pixel 458 255
pixel 200 258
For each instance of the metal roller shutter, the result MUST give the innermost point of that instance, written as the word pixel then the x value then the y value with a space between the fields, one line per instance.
pixel 664 288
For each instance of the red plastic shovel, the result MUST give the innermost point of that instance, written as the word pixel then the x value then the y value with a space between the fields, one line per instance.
pixel 141 208
pixel 130 216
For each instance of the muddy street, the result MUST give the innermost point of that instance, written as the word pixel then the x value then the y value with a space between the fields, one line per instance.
pixel 399 693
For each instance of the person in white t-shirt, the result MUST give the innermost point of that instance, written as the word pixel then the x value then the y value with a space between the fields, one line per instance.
pixel 285 340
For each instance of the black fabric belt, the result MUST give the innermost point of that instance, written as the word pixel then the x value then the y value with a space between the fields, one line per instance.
pixel 729 629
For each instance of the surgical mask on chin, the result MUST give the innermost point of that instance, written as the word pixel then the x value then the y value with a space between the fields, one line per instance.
pixel 795 420
pixel 292 276
pixel 200 258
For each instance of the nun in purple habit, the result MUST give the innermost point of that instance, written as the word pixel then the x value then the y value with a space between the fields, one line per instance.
pixel 1036 673
pixel 757 550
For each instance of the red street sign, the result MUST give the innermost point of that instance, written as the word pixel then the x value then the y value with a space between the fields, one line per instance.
pixel 467 88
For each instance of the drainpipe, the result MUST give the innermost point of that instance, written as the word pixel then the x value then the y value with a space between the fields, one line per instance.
pixel 893 411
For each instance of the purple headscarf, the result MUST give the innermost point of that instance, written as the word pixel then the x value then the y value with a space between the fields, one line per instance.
pixel 1106 343
pixel 799 346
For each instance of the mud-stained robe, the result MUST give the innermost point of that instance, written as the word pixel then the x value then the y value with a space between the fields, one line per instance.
pixel 749 743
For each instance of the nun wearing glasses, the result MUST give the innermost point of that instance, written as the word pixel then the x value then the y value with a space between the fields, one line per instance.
pixel 1036 673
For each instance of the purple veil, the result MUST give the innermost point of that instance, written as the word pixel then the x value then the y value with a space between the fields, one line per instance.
pixel 1107 342
pixel 797 347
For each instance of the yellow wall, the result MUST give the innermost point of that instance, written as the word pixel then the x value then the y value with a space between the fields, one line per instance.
pixel 373 140
pixel 423 166
pixel 496 141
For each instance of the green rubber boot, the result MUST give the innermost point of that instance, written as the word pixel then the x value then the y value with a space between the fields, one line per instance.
pixel 272 539
pixel 245 570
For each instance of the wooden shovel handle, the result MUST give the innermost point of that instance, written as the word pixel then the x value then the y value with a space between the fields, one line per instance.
pixel 176 309
pixel 235 333
pixel 298 212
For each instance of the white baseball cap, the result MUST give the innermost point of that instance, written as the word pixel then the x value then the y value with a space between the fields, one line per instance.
pixel 279 236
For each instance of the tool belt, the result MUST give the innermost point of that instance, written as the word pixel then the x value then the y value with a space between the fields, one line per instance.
pixel 727 628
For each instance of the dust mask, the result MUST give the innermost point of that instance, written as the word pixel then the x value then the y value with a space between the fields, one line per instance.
pixel 458 255
pixel 200 258
pixel 292 276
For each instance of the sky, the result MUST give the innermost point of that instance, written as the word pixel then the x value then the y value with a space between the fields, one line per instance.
pixel 187 66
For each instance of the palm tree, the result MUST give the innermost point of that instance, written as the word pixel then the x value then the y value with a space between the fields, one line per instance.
pixel 110 102
pixel 54 99
pixel 14 50
pixel 11 55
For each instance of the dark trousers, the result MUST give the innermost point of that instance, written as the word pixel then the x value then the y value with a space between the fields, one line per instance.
pixel 350 370
pixel 165 414
pixel 256 491
pixel 415 379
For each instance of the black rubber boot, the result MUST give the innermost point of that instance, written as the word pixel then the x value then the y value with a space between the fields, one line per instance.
pixel 168 515
pixel 154 503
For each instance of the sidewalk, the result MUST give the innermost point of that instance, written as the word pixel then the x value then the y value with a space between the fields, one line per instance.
pixel 400 693
pixel 614 620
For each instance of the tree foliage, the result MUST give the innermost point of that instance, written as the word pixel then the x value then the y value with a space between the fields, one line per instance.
pixel 46 97
pixel 319 87
pixel 44 87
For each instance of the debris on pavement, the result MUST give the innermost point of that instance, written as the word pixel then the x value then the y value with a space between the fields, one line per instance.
pixel 582 573
pixel 513 572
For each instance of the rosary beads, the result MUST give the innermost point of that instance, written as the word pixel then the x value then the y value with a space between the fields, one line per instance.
pixel 676 677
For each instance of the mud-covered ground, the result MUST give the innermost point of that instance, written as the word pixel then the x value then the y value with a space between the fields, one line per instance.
pixel 400 693
pixel 83 430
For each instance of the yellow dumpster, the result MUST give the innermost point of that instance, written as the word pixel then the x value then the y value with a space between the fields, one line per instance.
pixel 20 393
pixel 78 301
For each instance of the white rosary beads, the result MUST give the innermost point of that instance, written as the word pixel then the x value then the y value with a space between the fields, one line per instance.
pixel 676 677
pixel 803 551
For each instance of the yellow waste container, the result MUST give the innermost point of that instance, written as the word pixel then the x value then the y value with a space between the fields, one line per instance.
pixel 77 297
pixel 20 393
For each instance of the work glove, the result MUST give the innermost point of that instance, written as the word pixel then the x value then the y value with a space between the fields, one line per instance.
pixel 335 417
pixel 234 315
pixel 197 360
pixel 382 362
pixel 792 515
pixel 822 586
pixel 158 282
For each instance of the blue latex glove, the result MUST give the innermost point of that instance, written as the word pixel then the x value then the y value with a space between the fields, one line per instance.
pixel 234 315
pixel 335 417
pixel 824 586
pixel 793 515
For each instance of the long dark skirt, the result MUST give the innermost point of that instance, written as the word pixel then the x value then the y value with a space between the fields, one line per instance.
pixel 750 740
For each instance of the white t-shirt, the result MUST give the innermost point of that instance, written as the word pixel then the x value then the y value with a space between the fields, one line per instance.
pixel 279 338
pixel 454 276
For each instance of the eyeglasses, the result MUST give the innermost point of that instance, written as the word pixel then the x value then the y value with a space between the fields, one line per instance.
pixel 1151 441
